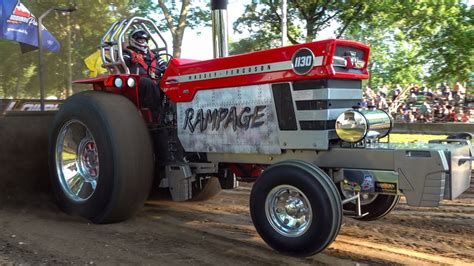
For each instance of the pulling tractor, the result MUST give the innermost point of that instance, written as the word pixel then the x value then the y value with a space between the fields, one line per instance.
pixel 288 119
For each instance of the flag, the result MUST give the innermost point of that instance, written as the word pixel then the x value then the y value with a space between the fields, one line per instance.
pixel 94 64
pixel 18 24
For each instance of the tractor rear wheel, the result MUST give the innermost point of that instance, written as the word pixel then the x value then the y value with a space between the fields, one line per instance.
pixel 100 156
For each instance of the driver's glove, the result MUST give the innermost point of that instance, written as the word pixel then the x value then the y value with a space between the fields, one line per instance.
pixel 161 65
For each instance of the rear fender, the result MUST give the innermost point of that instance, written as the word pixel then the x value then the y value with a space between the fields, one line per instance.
pixel 106 83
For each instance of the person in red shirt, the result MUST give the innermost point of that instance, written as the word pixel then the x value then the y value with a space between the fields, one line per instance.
pixel 463 116
pixel 452 116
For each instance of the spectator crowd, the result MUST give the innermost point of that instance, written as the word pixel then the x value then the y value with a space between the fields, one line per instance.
pixel 423 104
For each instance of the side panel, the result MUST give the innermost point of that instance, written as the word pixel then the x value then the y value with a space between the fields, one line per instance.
pixel 459 168
pixel 422 176
pixel 266 118
pixel 230 120
pixel 317 104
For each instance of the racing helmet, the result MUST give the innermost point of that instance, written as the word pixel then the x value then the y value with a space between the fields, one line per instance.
pixel 139 39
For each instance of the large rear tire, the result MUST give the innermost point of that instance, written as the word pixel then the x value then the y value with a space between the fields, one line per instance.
pixel 296 208
pixel 100 157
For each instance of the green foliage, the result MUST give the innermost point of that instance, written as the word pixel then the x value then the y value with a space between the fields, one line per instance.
pixel 18 72
pixel 411 40
pixel 179 17
pixel 249 45
pixel 449 51
pixel 198 15
pixel 305 18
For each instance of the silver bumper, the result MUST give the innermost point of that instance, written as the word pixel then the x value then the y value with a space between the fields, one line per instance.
pixel 426 173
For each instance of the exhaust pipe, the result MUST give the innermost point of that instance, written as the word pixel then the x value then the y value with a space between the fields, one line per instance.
pixel 219 28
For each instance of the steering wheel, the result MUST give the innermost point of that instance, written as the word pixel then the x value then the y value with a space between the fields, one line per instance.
pixel 153 70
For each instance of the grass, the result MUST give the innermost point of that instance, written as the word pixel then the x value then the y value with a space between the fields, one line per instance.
pixel 404 138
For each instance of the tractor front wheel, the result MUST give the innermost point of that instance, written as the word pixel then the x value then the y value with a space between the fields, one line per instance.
pixel 296 208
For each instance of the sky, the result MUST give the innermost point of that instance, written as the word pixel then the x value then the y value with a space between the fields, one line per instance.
pixel 197 43
pixel 199 46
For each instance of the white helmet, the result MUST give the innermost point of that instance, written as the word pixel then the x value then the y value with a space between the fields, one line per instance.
pixel 139 39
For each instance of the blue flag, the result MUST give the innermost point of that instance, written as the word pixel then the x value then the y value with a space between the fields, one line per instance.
pixel 18 24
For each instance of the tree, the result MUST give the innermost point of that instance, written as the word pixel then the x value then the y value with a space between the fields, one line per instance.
pixel 449 51
pixel 305 19
pixel 406 37
pixel 19 78
pixel 428 37
pixel 178 19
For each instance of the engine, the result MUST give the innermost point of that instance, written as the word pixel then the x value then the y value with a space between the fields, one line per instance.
pixel 269 101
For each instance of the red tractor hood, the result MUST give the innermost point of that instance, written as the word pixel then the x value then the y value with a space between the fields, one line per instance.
pixel 184 78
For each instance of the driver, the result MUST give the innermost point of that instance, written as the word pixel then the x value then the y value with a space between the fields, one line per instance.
pixel 138 58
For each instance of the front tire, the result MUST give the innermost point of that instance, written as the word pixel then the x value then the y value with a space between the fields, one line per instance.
pixel 296 208
pixel 100 157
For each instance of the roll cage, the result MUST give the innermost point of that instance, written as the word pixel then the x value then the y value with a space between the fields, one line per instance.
pixel 113 42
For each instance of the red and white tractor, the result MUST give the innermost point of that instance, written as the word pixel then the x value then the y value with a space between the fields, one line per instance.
pixel 288 118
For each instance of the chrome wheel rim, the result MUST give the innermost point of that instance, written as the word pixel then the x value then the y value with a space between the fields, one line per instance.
pixel 288 211
pixel 365 198
pixel 77 161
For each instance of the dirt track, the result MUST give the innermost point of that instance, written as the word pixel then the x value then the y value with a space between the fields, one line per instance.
pixel 220 231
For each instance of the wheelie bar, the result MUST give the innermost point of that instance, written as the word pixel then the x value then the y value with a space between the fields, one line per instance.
pixel 358 212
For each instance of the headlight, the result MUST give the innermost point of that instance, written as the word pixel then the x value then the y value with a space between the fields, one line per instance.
pixel 118 82
pixel 348 62
pixel 355 125
pixel 351 126
pixel 131 82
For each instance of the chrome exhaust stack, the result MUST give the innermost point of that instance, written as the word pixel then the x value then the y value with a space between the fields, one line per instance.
pixel 219 28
